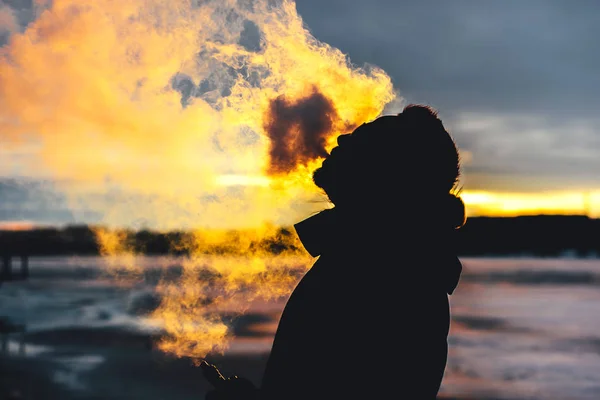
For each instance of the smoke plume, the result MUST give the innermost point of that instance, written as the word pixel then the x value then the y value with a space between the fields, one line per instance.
pixel 298 131
pixel 180 114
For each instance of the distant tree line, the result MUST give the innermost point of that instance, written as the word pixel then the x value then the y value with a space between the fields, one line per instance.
pixel 545 236
pixel 82 240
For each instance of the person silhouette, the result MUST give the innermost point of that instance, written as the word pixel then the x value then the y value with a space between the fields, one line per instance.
pixel 371 317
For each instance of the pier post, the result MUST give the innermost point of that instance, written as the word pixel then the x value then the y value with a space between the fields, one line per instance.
pixel 6 273
pixel 3 343
pixel 24 266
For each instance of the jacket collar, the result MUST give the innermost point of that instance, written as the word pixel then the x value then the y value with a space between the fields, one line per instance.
pixel 318 231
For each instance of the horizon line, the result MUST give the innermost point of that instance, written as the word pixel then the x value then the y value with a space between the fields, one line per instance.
pixel 26 225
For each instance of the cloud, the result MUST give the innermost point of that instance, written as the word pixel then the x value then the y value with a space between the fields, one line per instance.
pixel 32 200
pixel 531 152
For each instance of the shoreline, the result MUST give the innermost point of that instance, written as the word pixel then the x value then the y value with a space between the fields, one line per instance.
pixel 118 371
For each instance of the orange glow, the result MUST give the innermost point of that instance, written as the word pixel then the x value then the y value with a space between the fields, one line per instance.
pixel 94 84
pixel 17 225
pixel 174 115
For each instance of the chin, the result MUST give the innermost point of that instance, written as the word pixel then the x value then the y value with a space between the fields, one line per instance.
pixel 319 178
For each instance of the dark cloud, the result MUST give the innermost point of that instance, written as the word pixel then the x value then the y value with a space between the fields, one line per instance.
pixel 23 10
pixel 509 55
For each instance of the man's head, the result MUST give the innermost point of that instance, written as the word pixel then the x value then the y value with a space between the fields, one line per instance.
pixel 411 150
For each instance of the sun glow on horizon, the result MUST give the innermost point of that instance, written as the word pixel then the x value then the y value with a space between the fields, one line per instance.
pixel 505 204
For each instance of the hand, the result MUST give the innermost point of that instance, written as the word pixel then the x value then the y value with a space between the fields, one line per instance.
pixel 234 388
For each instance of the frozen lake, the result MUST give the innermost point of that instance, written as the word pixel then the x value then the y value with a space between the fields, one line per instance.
pixel 522 328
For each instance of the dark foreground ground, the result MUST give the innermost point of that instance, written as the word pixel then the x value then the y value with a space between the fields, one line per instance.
pixel 112 365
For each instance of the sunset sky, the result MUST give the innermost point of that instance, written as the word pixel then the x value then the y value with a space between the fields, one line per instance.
pixel 515 83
